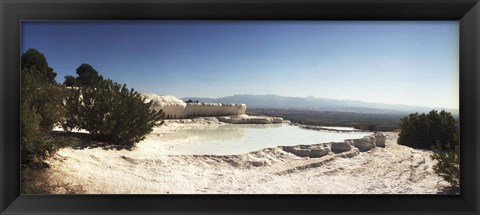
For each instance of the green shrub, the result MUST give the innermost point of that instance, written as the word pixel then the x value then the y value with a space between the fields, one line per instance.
pixel 73 106
pixel 41 108
pixel 424 131
pixel 438 131
pixel 34 147
pixel 448 165
pixel 110 112
pixel 39 89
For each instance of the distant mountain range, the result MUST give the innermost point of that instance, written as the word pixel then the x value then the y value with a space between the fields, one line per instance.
pixel 318 104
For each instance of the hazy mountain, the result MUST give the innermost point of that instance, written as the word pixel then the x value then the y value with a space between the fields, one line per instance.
pixel 319 104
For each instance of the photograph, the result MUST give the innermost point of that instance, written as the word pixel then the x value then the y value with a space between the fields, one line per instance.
pixel 240 107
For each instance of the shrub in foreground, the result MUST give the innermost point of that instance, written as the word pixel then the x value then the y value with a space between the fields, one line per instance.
pixel 110 112
pixel 40 107
pixel 34 147
pixel 424 131
pixel 437 131
pixel 448 165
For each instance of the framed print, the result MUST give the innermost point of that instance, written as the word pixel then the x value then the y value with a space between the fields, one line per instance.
pixel 239 107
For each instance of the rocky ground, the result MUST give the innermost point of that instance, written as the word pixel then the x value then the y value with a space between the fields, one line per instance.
pixel 393 169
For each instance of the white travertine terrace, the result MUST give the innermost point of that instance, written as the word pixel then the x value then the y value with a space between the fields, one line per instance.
pixel 171 106
pixel 213 109
pixel 175 108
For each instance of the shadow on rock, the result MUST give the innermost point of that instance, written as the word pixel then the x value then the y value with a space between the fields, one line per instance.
pixel 83 141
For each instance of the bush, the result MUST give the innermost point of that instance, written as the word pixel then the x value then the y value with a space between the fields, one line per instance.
pixel 437 131
pixel 110 112
pixel 44 99
pixel 39 90
pixel 425 131
pixel 448 165
pixel 40 104
pixel 33 147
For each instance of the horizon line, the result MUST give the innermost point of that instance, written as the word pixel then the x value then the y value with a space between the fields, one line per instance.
pixel 353 100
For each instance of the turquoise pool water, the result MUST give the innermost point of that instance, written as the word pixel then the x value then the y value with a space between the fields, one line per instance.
pixel 243 138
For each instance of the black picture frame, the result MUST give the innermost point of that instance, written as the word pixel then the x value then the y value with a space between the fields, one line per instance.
pixel 14 11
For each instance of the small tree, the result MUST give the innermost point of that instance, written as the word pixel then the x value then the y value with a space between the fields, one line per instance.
pixel 87 76
pixel 70 81
pixel 35 65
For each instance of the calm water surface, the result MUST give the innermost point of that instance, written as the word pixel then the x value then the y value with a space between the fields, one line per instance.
pixel 239 139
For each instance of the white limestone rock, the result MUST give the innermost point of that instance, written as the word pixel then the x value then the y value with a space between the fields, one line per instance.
pixel 312 151
pixel 339 147
pixel 213 109
pixel 170 105
pixel 350 154
pixel 364 144
pixel 175 108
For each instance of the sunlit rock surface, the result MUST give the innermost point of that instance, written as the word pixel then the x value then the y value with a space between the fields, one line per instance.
pixel 312 151
pixel 171 106
pixel 212 109
pixel 364 144
pixel 175 108
pixel 393 169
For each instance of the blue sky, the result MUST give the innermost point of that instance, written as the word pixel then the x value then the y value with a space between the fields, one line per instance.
pixel 395 62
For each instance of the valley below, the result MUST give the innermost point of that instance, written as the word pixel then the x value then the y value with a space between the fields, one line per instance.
pixel 363 121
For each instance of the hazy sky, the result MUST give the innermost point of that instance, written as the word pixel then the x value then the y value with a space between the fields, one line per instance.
pixel 401 62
